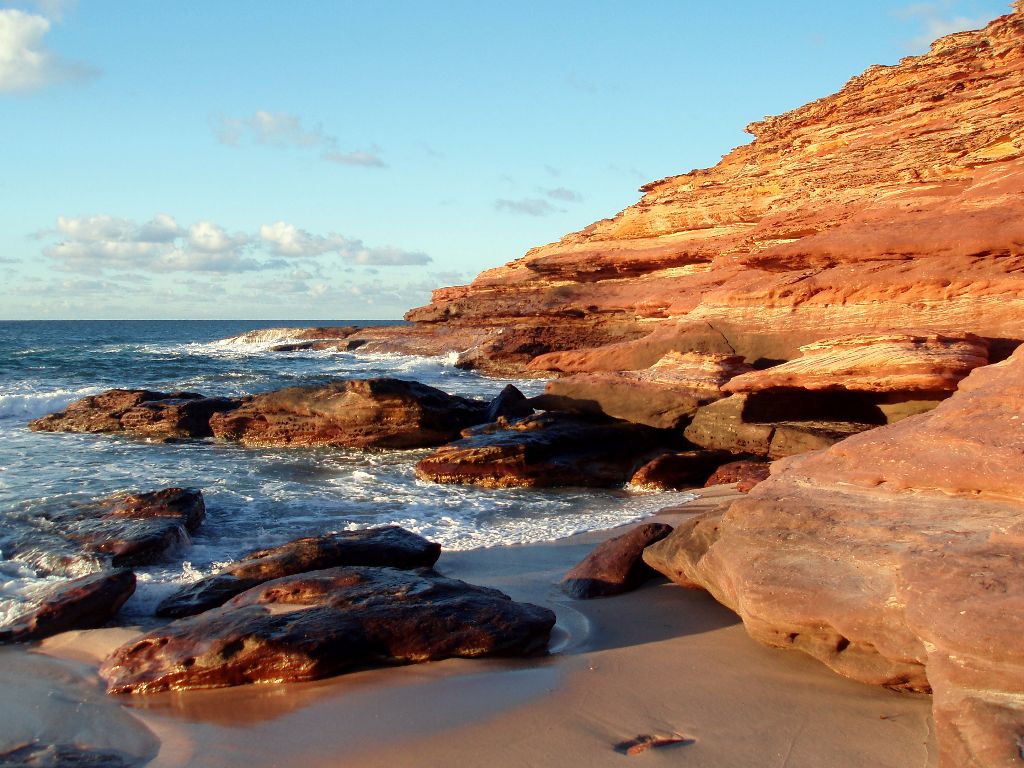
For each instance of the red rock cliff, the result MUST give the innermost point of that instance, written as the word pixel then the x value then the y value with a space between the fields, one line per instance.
pixel 896 202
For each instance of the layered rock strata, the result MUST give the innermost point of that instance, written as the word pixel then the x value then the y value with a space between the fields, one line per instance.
pixel 664 395
pixel 897 202
pixel 893 557
pixel 387 546
pixel 326 622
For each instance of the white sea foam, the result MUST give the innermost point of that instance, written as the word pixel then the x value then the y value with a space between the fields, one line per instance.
pixel 31 405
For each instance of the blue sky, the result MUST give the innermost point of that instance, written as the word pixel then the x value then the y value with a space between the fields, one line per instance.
pixel 334 160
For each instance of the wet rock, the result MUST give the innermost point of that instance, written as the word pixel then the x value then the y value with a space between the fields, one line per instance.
pixel 142 412
pixel 679 471
pixel 615 566
pixel 324 623
pixel 509 404
pixel 83 603
pixel 63 537
pixel 355 413
pixel 664 395
pixel 894 557
pixel 549 449
pixel 386 546
pixel 745 473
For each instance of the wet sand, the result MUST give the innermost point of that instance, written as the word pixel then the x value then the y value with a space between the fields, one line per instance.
pixel 662 661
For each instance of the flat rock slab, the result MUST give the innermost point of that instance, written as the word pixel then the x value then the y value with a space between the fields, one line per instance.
pixel 139 412
pixel 545 450
pixel 61 537
pixel 387 546
pixel 326 622
pixel 617 565
pixel 84 603
pixel 354 413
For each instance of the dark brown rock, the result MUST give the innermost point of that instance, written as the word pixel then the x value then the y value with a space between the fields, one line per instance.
pixel 509 404
pixel 57 536
pixel 549 449
pixel 355 413
pixel 679 471
pixel 617 565
pixel 388 546
pixel 142 412
pixel 84 603
pixel 327 622
pixel 745 473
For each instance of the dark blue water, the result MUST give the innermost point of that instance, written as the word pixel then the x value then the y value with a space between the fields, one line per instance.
pixel 255 498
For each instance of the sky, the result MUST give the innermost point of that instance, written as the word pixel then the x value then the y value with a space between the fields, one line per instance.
pixel 338 160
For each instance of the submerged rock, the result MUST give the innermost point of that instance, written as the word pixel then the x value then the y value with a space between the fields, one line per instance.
pixel 894 557
pixel 354 413
pixel 141 412
pixel 544 450
pixel 617 565
pixel 387 546
pixel 62 537
pixel 324 623
pixel 83 603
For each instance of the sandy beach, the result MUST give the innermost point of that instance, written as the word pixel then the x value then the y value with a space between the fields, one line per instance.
pixel 663 661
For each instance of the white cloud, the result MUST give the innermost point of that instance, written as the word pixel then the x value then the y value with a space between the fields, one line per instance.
pixel 93 244
pixel 936 19
pixel 526 206
pixel 283 130
pixel 26 63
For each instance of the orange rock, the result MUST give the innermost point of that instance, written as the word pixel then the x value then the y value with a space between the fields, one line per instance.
pixel 896 557
pixel 881 362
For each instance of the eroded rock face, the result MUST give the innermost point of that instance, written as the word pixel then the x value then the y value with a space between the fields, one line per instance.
pixel 912 364
pixel 83 603
pixel 140 412
pixel 386 546
pixel 745 473
pixel 356 413
pixel 65 537
pixel 665 395
pixel 895 557
pixel 326 622
pixel 548 449
pixel 615 566
pixel 895 203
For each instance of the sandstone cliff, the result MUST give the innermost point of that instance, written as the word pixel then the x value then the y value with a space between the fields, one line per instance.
pixel 897 202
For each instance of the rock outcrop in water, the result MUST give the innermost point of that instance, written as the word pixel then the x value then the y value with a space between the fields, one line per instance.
pixel 388 546
pixel 64 537
pixel 83 603
pixel 897 202
pixel 895 558
pixel 324 623
pixel 139 412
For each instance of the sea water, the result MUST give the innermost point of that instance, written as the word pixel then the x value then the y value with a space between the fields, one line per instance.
pixel 255 498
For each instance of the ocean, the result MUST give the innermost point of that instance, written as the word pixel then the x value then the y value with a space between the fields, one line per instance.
pixel 254 497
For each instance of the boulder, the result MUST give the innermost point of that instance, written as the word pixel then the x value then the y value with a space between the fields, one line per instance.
pixel 544 450
pixel 510 403
pixel 679 471
pixel 664 395
pixel 141 412
pixel 324 623
pixel 895 558
pixel 746 473
pixel 615 566
pixel 353 413
pixel 83 603
pixel 386 546
pixel 61 537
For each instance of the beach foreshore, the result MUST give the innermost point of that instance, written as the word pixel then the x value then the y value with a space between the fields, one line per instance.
pixel 663 661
